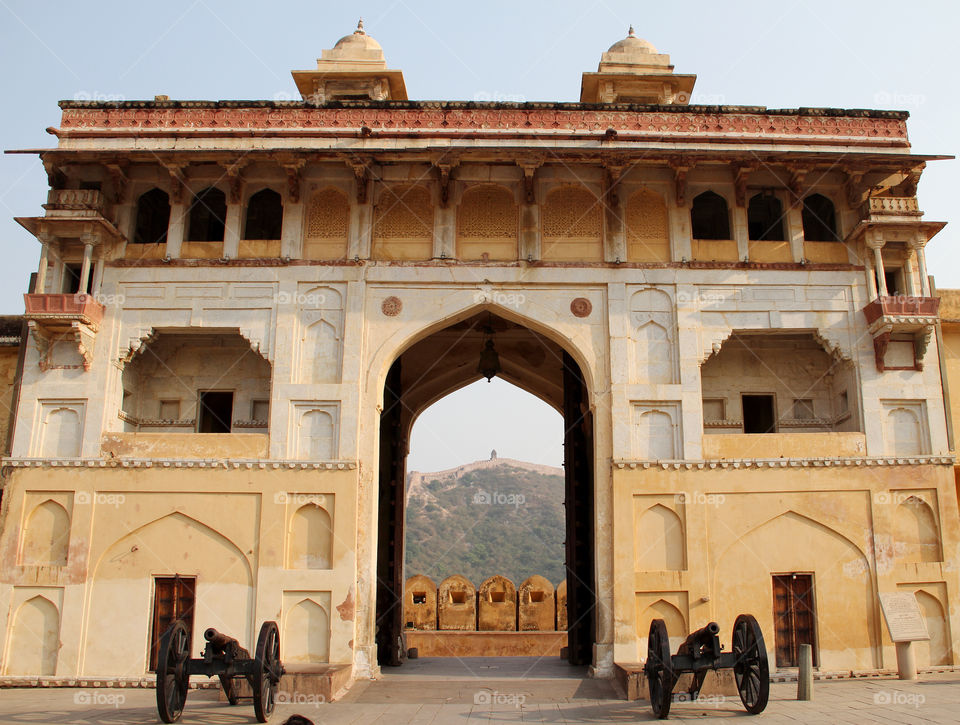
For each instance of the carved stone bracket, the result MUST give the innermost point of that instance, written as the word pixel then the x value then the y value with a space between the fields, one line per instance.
pixel 741 173
pixel 711 340
pixel 920 327
pixel 612 176
pixel 79 334
pixel 293 179
pixel 855 189
pixel 141 337
pixel 443 171
pixel 680 182
pixel 833 346
pixel 361 172
pixel 881 340
pixel 120 181
pixel 144 335
pixel 56 179
pixel 257 342
pixel 530 166
pixel 235 176
pixel 795 183
pixel 178 182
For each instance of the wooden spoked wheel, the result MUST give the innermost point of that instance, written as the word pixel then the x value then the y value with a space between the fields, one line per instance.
pixel 751 669
pixel 659 669
pixel 268 670
pixel 173 681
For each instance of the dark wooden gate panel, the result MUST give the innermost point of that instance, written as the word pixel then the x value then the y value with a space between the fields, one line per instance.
pixel 794 615
pixel 579 504
pixel 173 598
pixel 390 515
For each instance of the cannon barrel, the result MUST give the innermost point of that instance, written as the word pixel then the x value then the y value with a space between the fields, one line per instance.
pixel 701 638
pixel 224 643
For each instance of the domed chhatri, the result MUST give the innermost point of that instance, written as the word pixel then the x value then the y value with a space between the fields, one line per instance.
pixel 632 44
pixel 357 40
pixel 632 71
pixel 353 69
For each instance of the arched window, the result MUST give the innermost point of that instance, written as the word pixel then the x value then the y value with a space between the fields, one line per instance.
pixel 264 215
pixel 153 217
pixel 208 215
pixel 709 217
pixel 819 219
pixel 765 218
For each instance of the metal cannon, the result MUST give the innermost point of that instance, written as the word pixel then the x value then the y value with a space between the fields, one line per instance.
pixel 221 644
pixel 222 657
pixel 700 652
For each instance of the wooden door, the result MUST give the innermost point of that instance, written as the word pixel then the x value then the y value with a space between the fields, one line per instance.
pixel 173 598
pixel 794 616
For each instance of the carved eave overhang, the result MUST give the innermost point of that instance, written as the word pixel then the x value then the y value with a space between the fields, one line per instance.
pixel 311 82
pixel 889 316
pixel 894 229
pixel 659 86
pixel 267 120
pixel 67 318
pixel 99 229
pixel 73 214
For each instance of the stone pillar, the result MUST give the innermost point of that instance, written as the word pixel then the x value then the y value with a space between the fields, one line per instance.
pixel 291 235
pixel 680 232
pixel 908 272
pixel 922 265
pixel 794 219
pixel 740 231
pixel 875 242
pixel 530 231
pixel 177 230
pixel 97 278
pixel 360 243
pixel 41 281
pixel 444 232
pixel 231 231
pixel 614 236
pixel 85 265
pixel 871 278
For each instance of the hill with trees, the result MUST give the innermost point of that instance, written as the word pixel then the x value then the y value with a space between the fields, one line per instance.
pixel 500 516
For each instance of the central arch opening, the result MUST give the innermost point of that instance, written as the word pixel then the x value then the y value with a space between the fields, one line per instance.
pixel 445 361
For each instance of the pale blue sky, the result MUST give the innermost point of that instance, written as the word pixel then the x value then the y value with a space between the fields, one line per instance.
pixel 849 54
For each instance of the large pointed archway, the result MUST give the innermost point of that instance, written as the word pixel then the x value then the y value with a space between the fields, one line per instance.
pixel 439 364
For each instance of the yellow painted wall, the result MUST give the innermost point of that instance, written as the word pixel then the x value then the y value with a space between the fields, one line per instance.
pixel 227 527
pixel 739 527
pixel 714 250
pixel 826 252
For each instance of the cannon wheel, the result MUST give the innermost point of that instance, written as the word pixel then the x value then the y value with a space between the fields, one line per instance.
pixel 751 670
pixel 229 689
pixel 172 677
pixel 268 671
pixel 659 667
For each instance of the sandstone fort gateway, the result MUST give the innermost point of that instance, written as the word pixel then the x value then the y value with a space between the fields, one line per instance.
pixel 242 306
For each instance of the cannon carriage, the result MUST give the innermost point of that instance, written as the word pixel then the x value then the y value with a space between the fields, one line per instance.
pixel 223 657
pixel 702 652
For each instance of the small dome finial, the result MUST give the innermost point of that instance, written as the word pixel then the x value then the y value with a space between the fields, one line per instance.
pixel 630 32
pixel 359 30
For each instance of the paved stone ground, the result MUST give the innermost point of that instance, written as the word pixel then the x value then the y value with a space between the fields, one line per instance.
pixel 507 690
